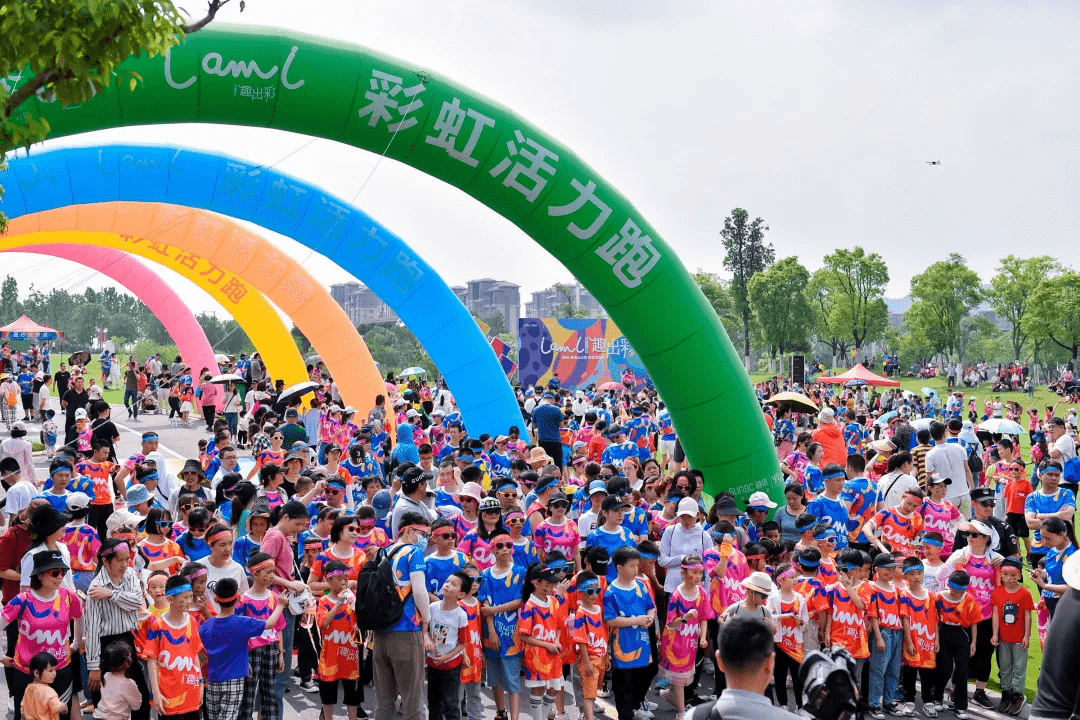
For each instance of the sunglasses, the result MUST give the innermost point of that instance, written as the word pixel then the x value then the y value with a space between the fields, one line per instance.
pixel 987 503
pixel 492 511
pixel 592 591
pixel 559 504
pixel 502 546
pixel 57 573
pixel 684 488
pixel 187 506
pixel 468 500
pixel 334 492
pixel 971 535
pixel 444 536
pixel 510 494
pixel 515 521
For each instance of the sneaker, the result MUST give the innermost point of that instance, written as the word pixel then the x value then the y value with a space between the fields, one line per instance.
pixel 309 685
pixel 645 711
pixel 649 705
pixel 939 706
pixel 893 709
pixel 662 683
pixel 877 713
pixel 709 667
pixel 961 714
pixel 1018 703
pixel 930 710
pixel 1006 701
pixel 360 713
pixel 909 709
pixel 981 698
pixel 600 693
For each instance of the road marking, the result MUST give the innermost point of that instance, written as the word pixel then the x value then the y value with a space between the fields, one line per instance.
pixel 161 446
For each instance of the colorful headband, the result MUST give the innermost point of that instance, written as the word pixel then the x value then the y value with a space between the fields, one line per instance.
pixel 754 557
pixel 313 540
pixel 914 568
pixel 269 562
pixel 589 584
pixel 695 566
pixel 413 527
pixel 848 567
pixel 514 512
pixel 808 564
pixel 124 536
pixel 114 549
pixel 149 476
pixel 649 556
pixel 197 573
pixel 150 437
pixel 932 541
pixel 223 531
pixel 559 565
pixel 335 573
pixel 957 586
pixel 228 599
pixel 834 475
pixel 186 587
pixel 790 572
pixel 823 534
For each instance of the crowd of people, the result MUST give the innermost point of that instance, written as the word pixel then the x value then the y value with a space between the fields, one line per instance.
pixel 572 558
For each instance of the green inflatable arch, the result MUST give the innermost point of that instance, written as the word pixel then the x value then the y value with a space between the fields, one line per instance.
pixel 279 79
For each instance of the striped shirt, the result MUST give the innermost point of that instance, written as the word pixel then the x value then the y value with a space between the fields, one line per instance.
pixel 112 616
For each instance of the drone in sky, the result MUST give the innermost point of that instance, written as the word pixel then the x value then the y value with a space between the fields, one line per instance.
pixel 933 162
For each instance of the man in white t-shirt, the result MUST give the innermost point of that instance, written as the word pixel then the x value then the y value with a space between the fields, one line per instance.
pixel 950 460
pixel 1063 447
pixel 899 479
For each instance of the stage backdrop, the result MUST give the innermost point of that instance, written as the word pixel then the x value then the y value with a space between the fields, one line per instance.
pixel 582 350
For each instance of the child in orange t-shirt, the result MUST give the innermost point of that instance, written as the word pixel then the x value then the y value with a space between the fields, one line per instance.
pixel 339 656
pixel 472 672
pixel 1017 488
pixel 591 637
pixel 40 701
pixel 845 614
pixel 918 613
pixel 957 612
pixel 1013 606
pixel 538 629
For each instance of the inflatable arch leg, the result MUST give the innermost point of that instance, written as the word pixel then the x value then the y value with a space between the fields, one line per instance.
pixel 148 287
pixel 224 245
pixel 252 312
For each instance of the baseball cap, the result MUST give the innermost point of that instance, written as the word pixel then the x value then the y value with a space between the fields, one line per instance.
pixel 613 502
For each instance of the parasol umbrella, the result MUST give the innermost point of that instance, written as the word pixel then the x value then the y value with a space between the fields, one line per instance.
pixel 1001 426
pixel 299 389
pixel 796 401
pixel 612 386
pixel 409 372
pixel 313 359
pixel 221 358
pixel 226 378
pixel 884 419
pixel 855 383
pixel 80 358
pixel 929 391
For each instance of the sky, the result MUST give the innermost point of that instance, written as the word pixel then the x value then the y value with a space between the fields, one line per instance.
pixel 818 117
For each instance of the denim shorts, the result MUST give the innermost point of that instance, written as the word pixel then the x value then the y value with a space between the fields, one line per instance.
pixel 504 672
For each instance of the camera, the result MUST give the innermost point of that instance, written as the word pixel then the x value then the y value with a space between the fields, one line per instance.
pixel 830 687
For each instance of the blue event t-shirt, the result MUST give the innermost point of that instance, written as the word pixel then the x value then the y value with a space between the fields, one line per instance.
pixel 610 541
pixel 499 464
pixel 547 418
pixel 437 569
pixel 815 481
pixel 496 590
pixel 616 454
pixel 405 563
pixel 26 383
pixel 1055 567
pixel 1039 502
pixel 861 494
pixel 629 645
pixel 195 548
pixel 226 643
pixel 834 513
pixel 636 521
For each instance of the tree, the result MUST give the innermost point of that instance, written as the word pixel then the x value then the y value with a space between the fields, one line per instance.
pixel 9 300
pixel 302 343
pixel 747 255
pixel 568 309
pixel 821 296
pixel 1050 313
pixel 495 321
pixel 944 294
pixel 716 292
pixel 394 347
pixel 1011 290
pixel 69 51
pixel 858 281
pixel 782 311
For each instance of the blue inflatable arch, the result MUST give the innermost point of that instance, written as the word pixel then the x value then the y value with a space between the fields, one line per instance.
pixel 278 202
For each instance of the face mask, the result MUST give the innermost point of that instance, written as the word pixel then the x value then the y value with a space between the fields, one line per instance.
pixel 421 543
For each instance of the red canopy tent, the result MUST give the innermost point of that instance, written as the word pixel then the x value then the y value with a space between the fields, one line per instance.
pixel 26 329
pixel 859 374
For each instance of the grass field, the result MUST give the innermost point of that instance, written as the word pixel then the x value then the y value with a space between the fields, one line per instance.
pixel 1041 399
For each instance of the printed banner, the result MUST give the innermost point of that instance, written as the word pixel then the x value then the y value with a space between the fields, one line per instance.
pixel 583 351
pixel 502 350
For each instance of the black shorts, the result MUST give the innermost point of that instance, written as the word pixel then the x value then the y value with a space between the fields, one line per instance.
pixel 28 401
pixel 1018 524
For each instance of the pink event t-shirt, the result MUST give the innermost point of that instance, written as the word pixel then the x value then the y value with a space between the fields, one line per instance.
pixel 936 518
pixel 262 609
pixel 277 546
pixel 43 625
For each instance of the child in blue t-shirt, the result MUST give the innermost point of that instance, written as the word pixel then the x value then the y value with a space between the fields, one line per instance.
pixel 500 597
pixel 629 612
pixel 225 640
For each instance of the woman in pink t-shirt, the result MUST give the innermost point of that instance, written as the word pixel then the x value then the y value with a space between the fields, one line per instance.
pixel 938 513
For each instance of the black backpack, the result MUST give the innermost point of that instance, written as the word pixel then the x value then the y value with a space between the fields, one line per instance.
pixel 378 603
